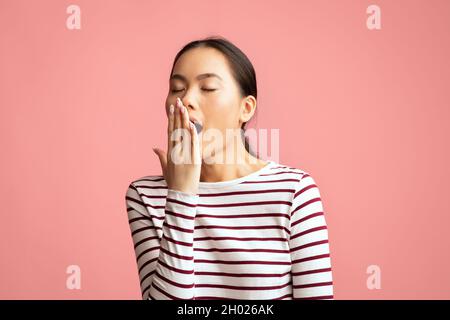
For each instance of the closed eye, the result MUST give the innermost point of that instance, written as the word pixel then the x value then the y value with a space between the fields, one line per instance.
pixel 205 89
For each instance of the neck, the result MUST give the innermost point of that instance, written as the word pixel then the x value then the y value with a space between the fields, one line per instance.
pixel 220 168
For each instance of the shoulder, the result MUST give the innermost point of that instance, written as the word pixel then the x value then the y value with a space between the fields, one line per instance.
pixel 293 173
pixel 305 191
pixel 145 191
pixel 296 177
pixel 149 182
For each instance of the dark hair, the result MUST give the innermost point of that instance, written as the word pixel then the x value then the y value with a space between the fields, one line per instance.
pixel 241 68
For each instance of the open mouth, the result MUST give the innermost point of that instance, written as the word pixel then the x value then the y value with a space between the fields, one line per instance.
pixel 198 126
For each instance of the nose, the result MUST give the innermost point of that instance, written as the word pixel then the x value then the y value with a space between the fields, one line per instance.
pixel 191 105
pixel 186 103
pixel 188 100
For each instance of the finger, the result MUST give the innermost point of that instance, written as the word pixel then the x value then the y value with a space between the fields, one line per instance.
pixel 185 117
pixel 186 132
pixel 170 128
pixel 176 127
pixel 177 114
pixel 195 147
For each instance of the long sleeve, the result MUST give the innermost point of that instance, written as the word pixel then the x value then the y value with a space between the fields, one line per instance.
pixel 165 263
pixel 308 243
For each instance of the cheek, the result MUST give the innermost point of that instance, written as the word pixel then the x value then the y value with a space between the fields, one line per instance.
pixel 221 110
pixel 221 117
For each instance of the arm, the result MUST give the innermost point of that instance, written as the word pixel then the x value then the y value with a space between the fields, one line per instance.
pixel 308 243
pixel 166 265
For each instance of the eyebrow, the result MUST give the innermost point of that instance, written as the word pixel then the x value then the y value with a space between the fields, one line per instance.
pixel 199 77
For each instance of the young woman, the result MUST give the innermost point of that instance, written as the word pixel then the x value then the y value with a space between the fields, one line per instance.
pixel 245 229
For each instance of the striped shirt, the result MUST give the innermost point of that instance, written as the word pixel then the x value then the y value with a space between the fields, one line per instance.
pixel 261 236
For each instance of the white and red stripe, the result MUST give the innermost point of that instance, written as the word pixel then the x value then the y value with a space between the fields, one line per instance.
pixel 262 236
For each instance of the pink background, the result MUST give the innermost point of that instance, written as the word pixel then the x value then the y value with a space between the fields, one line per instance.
pixel 366 112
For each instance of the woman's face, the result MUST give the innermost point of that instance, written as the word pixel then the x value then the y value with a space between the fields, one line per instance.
pixel 202 79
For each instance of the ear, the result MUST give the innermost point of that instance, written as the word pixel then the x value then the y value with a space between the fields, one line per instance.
pixel 248 109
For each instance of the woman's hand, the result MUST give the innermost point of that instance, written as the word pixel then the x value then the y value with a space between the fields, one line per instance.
pixel 181 165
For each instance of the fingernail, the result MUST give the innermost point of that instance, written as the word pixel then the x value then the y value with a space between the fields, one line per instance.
pixel 171 108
